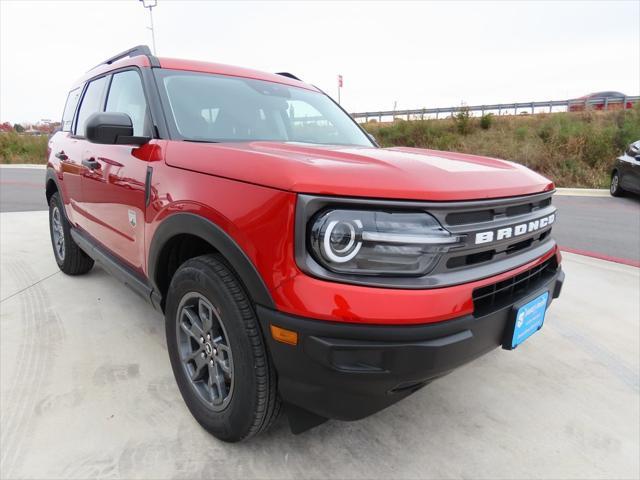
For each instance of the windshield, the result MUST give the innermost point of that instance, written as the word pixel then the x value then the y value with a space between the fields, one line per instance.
pixel 219 108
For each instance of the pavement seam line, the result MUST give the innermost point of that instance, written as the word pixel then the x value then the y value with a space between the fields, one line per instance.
pixel 28 287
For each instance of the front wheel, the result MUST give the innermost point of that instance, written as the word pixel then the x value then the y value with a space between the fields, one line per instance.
pixel 217 352
pixel 615 188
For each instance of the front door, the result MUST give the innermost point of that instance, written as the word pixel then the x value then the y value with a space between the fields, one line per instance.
pixel 113 185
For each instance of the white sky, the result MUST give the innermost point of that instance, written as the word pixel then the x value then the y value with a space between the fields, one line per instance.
pixel 420 54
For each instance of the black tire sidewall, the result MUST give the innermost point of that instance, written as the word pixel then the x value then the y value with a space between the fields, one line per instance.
pixel 235 421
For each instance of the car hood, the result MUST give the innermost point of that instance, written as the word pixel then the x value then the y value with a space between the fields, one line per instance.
pixel 398 173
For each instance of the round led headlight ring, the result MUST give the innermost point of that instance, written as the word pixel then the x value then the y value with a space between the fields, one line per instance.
pixel 341 242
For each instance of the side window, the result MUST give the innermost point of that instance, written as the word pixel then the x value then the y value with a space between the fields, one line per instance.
pixel 70 109
pixel 127 96
pixel 90 103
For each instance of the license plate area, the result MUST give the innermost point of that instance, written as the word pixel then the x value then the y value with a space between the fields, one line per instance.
pixel 526 319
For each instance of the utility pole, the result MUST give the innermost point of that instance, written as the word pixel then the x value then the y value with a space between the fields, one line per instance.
pixel 150 4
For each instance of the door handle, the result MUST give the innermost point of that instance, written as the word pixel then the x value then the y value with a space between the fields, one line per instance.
pixel 62 156
pixel 91 163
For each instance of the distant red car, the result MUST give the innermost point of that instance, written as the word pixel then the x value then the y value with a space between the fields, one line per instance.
pixel 600 101
pixel 297 263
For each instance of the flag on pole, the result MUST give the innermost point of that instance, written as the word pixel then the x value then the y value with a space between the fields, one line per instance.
pixel 339 81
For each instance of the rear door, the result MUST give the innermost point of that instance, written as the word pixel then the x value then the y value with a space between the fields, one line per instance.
pixel 65 150
pixel 114 192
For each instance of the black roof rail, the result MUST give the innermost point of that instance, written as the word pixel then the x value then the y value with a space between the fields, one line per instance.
pixel 289 75
pixel 133 52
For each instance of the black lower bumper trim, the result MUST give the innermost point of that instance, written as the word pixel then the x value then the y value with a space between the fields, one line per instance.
pixel 350 371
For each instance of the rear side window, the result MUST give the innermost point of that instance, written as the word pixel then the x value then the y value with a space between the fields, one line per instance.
pixel 70 109
pixel 90 103
pixel 127 96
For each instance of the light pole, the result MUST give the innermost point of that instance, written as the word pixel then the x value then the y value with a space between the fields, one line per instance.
pixel 150 4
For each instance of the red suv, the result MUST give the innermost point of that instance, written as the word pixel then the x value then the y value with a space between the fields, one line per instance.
pixel 297 263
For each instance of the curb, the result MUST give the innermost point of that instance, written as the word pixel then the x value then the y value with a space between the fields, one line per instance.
pixel 601 256
pixel 583 192
pixel 23 165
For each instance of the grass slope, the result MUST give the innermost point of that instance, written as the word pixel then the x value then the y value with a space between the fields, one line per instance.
pixel 573 149
pixel 16 148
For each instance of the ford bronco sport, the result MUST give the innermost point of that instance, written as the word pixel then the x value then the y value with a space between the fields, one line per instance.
pixel 297 264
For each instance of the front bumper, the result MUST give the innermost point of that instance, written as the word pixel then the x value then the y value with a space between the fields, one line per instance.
pixel 349 371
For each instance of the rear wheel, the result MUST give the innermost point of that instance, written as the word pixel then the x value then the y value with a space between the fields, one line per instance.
pixel 70 258
pixel 615 188
pixel 217 351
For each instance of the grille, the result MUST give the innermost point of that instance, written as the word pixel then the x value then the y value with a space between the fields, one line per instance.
pixel 492 297
pixel 490 214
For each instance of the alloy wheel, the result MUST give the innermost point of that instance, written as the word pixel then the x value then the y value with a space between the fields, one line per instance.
pixel 614 183
pixel 57 232
pixel 204 350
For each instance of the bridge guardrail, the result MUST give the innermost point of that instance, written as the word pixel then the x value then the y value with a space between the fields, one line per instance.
pixel 499 107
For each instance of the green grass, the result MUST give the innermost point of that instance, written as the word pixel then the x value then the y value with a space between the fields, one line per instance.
pixel 573 149
pixel 16 148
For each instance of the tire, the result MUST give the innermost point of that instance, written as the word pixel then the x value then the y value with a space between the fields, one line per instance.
pixel 70 258
pixel 226 379
pixel 615 189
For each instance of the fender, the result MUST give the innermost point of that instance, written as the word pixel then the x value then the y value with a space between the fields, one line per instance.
pixel 189 223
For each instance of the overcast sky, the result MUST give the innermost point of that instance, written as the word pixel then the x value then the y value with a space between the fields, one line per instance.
pixel 418 54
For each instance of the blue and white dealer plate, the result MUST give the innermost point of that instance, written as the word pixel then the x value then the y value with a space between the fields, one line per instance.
pixel 529 319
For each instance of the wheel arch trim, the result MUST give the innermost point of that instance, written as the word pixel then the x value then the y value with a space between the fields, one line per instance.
pixel 52 176
pixel 198 226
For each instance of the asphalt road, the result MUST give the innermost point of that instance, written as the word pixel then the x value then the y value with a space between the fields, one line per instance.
pixel 87 391
pixel 604 227
pixel 22 189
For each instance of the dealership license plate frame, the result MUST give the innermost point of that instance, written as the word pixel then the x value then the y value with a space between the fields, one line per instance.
pixel 527 317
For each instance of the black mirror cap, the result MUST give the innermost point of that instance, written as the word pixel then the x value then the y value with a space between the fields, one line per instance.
pixel 112 128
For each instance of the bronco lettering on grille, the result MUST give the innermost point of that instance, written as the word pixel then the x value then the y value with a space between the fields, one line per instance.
pixel 514 230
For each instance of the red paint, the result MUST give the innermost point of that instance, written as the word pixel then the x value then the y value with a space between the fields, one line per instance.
pixel 400 173
pixel 221 69
pixel 602 256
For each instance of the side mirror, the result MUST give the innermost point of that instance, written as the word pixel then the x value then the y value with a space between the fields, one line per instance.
pixel 112 128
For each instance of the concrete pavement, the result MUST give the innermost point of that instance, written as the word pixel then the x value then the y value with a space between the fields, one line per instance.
pixel 87 391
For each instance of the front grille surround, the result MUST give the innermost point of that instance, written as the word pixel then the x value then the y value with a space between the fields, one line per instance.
pixel 463 263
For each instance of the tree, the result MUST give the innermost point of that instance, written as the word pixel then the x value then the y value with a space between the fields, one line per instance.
pixel 6 127
pixel 18 128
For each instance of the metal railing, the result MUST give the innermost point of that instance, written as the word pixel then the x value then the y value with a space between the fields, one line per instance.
pixel 528 107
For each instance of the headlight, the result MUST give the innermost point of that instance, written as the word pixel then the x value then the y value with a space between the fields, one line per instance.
pixel 378 243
